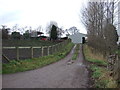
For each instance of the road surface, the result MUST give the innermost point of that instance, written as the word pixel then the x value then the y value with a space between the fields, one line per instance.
pixel 61 74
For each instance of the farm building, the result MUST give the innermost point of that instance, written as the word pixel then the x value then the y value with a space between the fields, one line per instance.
pixel 118 31
pixel 35 34
pixel 77 37
pixel 118 41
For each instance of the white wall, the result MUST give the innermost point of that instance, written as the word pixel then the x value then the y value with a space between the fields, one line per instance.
pixel 77 38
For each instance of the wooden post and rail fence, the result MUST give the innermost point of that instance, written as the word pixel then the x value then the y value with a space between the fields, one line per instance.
pixel 20 53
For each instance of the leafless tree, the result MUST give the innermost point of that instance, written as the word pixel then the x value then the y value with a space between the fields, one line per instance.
pixel 60 32
pixel 49 26
pixel 97 18
pixel 72 30
pixel 39 28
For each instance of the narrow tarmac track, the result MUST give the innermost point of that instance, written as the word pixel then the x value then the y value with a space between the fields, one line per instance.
pixel 61 74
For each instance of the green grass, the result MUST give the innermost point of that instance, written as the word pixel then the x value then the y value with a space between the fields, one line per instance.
pixel 96 71
pixel 97 61
pixel 76 52
pixel 30 64
pixel 27 43
pixel 118 52
pixel 100 75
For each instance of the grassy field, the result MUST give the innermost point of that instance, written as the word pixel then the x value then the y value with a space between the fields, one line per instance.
pixel 30 64
pixel 27 43
pixel 100 74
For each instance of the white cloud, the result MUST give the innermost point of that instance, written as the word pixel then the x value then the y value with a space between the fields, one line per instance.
pixel 40 12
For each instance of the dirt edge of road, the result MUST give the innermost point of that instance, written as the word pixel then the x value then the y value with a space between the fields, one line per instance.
pixel 87 64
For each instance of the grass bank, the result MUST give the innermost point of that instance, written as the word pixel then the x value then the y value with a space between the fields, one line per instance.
pixel 76 52
pixel 100 74
pixel 30 64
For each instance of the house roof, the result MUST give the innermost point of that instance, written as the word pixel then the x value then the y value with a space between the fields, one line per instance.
pixel 81 34
pixel 40 33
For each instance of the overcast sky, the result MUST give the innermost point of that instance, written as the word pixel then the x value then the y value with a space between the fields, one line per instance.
pixel 40 12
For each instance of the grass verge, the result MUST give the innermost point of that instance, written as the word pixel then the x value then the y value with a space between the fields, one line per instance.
pixel 75 55
pixel 94 58
pixel 30 64
pixel 100 74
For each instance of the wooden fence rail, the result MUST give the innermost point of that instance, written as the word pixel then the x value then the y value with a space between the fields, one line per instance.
pixel 19 53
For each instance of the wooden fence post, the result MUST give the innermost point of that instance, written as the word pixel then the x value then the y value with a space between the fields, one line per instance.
pixel 31 52
pixel 55 48
pixel 17 52
pixel 62 44
pixel 48 50
pixel 59 46
pixel 52 49
pixel 42 51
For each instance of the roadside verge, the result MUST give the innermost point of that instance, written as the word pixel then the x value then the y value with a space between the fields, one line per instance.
pixel 97 65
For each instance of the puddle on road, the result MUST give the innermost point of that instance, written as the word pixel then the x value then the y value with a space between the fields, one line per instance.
pixel 73 49
pixel 80 64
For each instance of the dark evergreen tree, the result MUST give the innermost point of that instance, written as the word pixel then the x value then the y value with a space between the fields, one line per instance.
pixel 15 35
pixel 26 35
pixel 53 33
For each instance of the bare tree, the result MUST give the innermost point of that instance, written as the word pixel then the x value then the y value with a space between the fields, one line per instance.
pixel 60 32
pixel 39 28
pixel 96 17
pixel 49 26
pixel 72 30
pixel 15 28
